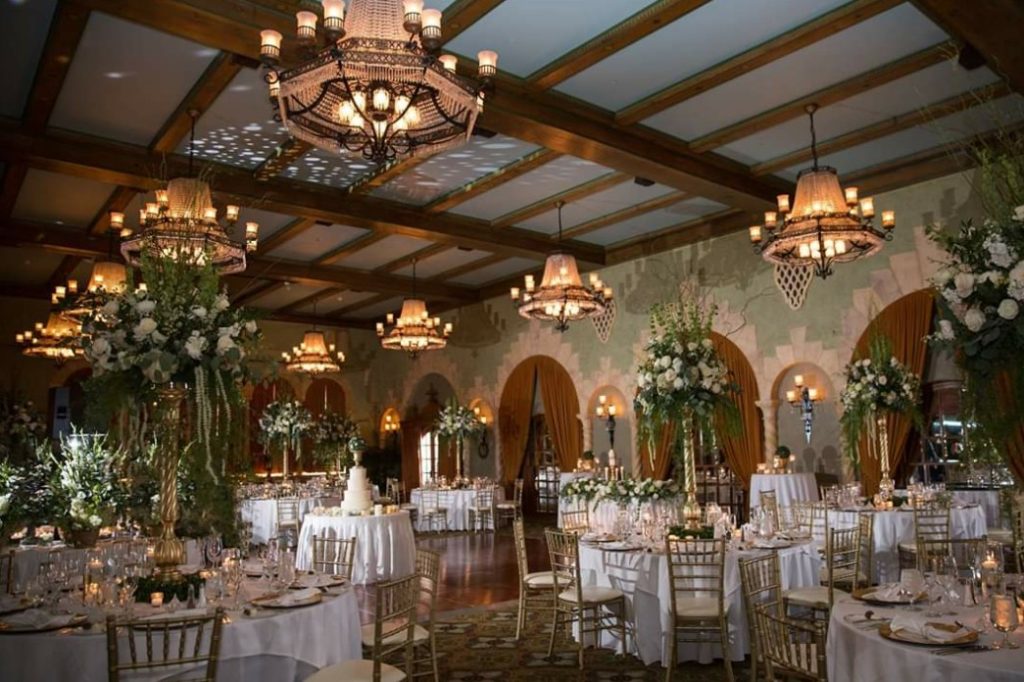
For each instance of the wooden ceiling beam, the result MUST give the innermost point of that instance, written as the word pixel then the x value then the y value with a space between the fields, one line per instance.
pixel 910 119
pixel 419 255
pixel 251 293
pixel 366 303
pixel 283 156
pixel 284 235
pixel 130 165
pixel 460 270
pixel 462 14
pixel 507 173
pixel 569 196
pixel 689 232
pixel 117 201
pixel 66 30
pixel 870 80
pixel 63 271
pixel 348 248
pixel 655 204
pixel 10 187
pixel 990 26
pixel 385 174
pixel 310 300
pixel 774 49
pixel 652 17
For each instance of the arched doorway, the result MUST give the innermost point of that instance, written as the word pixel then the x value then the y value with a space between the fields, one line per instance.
pixel 424 454
pixel 262 395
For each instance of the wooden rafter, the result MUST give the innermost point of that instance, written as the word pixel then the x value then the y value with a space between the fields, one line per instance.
pixel 360 305
pixel 507 173
pixel 252 293
pixel 384 175
pixel 636 27
pixel 571 195
pixel 283 156
pixel 63 271
pixel 689 232
pixel 418 255
pixel 310 300
pixel 117 201
pixel 462 14
pixel 285 234
pixel 14 176
pixel 826 96
pixel 349 248
pixel 809 33
pixel 655 204
pixel 921 116
pixel 460 270
pixel 66 30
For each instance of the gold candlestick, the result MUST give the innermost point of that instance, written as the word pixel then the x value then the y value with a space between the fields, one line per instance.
pixel 170 551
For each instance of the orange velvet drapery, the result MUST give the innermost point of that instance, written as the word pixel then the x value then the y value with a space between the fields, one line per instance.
pixel 744 448
pixel 561 411
pixel 411 455
pixel 1013 445
pixel 662 454
pixel 514 419
pixel 905 323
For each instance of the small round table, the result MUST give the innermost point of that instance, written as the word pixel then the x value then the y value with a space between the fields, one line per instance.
pixel 385 546
pixel 789 488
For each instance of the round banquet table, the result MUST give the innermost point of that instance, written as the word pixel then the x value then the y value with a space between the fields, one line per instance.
pixel 457 502
pixel 789 488
pixel 896 526
pixel 271 646
pixel 987 499
pixel 604 515
pixel 262 514
pixel 385 546
pixel 643 577
pixel 858 653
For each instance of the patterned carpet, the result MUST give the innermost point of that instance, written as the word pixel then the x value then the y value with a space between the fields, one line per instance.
pixel 479 645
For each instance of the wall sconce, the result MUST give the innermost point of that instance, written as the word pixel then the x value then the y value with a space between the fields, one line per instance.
pixel 802 399
pixel 391 427
pixel 606 412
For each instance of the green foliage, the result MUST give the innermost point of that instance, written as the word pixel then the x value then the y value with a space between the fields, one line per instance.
pixel 702 533
pixel 147 585
pixel 783 452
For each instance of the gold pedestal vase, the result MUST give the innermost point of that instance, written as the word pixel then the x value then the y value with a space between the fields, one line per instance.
pixel 691 508
pixel 878 447
pixel 169 553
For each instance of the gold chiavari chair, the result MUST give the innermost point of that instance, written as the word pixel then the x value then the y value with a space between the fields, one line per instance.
pixel 770 506
pixel 931 522
pixel 840 568
pixel 7 572
pixel 696 573
pixel 334 556
pixel 792 649
pixel 481 512
pixel 818 521
pixel 593 609
pixel 512 509
pixel 394 630
pixel 536 589
pixel 761 578
pixel 576 521
pixel 431 511
pixel 866 550
pixel 289 519
pixel 963 551
pixel 391 495
pixel 428 568
pixel 173 646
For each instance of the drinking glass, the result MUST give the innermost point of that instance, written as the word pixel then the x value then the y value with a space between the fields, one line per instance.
pixel 1002 614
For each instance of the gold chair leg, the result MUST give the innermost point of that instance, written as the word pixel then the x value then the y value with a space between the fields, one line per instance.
pixel 583 619
pixel 433 656
pixel 521 615
pixel 726 654
pixel 554 631
pixel 672 655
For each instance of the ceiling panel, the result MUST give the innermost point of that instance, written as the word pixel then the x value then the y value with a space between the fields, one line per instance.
pixel 317 241
pixel 126 80
pixel 905 95
pixel 386 250
pixel 26 25
pixel 527 34
pixel 325 168
pixel 884 38
pixel 63 199
pixel 450 170
pixel 442 262
pixel 505 268
pixel 392 305
pixel 561 174
pixel 601 204
pixel 689 45
pixel 286 295
pixel 28 267
pixel 652 222
pixel 336 301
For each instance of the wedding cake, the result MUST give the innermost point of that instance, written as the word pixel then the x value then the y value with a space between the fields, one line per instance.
pixel 358 496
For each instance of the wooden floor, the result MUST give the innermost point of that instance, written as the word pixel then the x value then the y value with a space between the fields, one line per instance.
pixel 477 569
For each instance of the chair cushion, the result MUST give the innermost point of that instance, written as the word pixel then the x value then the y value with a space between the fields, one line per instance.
pixel 1000 535
pixel 507 505
pixel 356 671
pixel 699 607
pixel 908 547
pixel 419 634
pixel 407 505
pixel 816 596
pixel 592 594
pixel 480 509
pixel 540 579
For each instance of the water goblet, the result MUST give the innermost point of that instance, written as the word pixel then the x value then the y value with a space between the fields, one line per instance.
pixel 1003 616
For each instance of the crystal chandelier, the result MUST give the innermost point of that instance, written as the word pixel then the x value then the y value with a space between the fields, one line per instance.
pixel 562 296
pixel 107 277
pixel 313 356
pixel 376 87
pixel 826 224
pixel 58 339
pixel 182 225
pixel 415 330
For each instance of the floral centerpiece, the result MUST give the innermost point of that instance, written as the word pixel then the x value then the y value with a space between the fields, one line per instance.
pixel 283 425
pixel 21 429
pixel 86 487
pixel 331 434
pixel 876 385
pixel 585 489
pixel 455 422
pixel 682 381
pixel 638 490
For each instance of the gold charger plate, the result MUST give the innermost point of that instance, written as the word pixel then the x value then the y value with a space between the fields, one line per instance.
pixel 271 602
pixel 864 594
pixel 75 621
pixel 904 637
pixel 332 581
pixel 24 604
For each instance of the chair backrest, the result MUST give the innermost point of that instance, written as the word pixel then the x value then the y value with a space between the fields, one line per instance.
pixel 7 572
pixel 428 568
pixel 841 558
pixel 484 498
pixel 932 522
pixel 761 578
pixel 964 552
pixel 187 644
pixel 819 521
pixel 389 489
pixel 865 550
pixel 790 647
pixel 394 622
pixel 519 533
pixel 430 499
pixel 576 521
pixel 696 568
pixel 517 493
pixel 564 552
pixel 335 556
pixel 770 506
pixel 1018 533
pixel 288 511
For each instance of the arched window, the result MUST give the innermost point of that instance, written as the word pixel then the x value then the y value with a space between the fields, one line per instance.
pixel 428 456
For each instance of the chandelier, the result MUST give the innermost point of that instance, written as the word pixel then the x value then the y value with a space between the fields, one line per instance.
pixel 313 356
pixel 381 91
pixel 415 330
pixel 562 296
pixel 826 224
pixel 181 225
pixel 107 277
pixel 58 339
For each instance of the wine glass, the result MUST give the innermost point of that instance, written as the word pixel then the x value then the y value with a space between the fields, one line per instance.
pixel 1002 614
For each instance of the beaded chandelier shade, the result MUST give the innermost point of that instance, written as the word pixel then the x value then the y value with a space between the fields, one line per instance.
pixel 56 340
pixel 414 330
pixel 313 356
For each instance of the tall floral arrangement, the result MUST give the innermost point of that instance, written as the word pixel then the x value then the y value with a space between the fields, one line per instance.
pixel 284 424
pixel 456 421
pixel 331 434
pixel 86 486
pixel 22 428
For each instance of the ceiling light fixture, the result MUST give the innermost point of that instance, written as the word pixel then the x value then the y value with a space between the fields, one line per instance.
pixel 414 330
pixel 313 356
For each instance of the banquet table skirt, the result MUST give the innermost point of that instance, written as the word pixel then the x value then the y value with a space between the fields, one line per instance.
pixel 457 502
pixel 385 546
pixel 279 646
pixel 987 500
pixel 262 514
pixel 789 488
pixel 643 577
pixel 896 526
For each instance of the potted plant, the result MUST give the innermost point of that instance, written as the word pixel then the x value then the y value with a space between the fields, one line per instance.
pixel 782 455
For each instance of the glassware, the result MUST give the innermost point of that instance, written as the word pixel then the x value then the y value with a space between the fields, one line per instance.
pixel 1002 614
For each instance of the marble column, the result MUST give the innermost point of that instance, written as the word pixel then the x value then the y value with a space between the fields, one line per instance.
pixel 770 414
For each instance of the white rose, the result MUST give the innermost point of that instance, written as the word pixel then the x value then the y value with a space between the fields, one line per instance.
pixel 145 307
pixel 974 318
pixel 706 343
pixel 221 303
pixel 670 375
pixel 943 277
pixel 964 282
pixel 195 346
pixel 1008 309
pixel 145 327
pixel 224 344
pixel 1017 273
pixel 717 388
pixel 946 330
pixel 251 326
pixel 677 384
pixel 1018 214
pixel 199 311
pixel 100 347
pixel 691 346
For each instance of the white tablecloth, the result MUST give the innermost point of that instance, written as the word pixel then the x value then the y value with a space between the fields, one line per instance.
pixel 789 488
pixel 644 579
pixel 858 654
pixel 385 546
pixel 262 514
pixel 604 514
pixel 457 502
pixel 893 527
pixel 275 646
pixel 988 500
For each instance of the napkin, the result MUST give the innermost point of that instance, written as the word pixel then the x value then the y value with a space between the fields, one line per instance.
pixel 890 592
pixel 317 580
pixel 298 596
pixel 922 626
pixel 771 543
pixel 37 619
